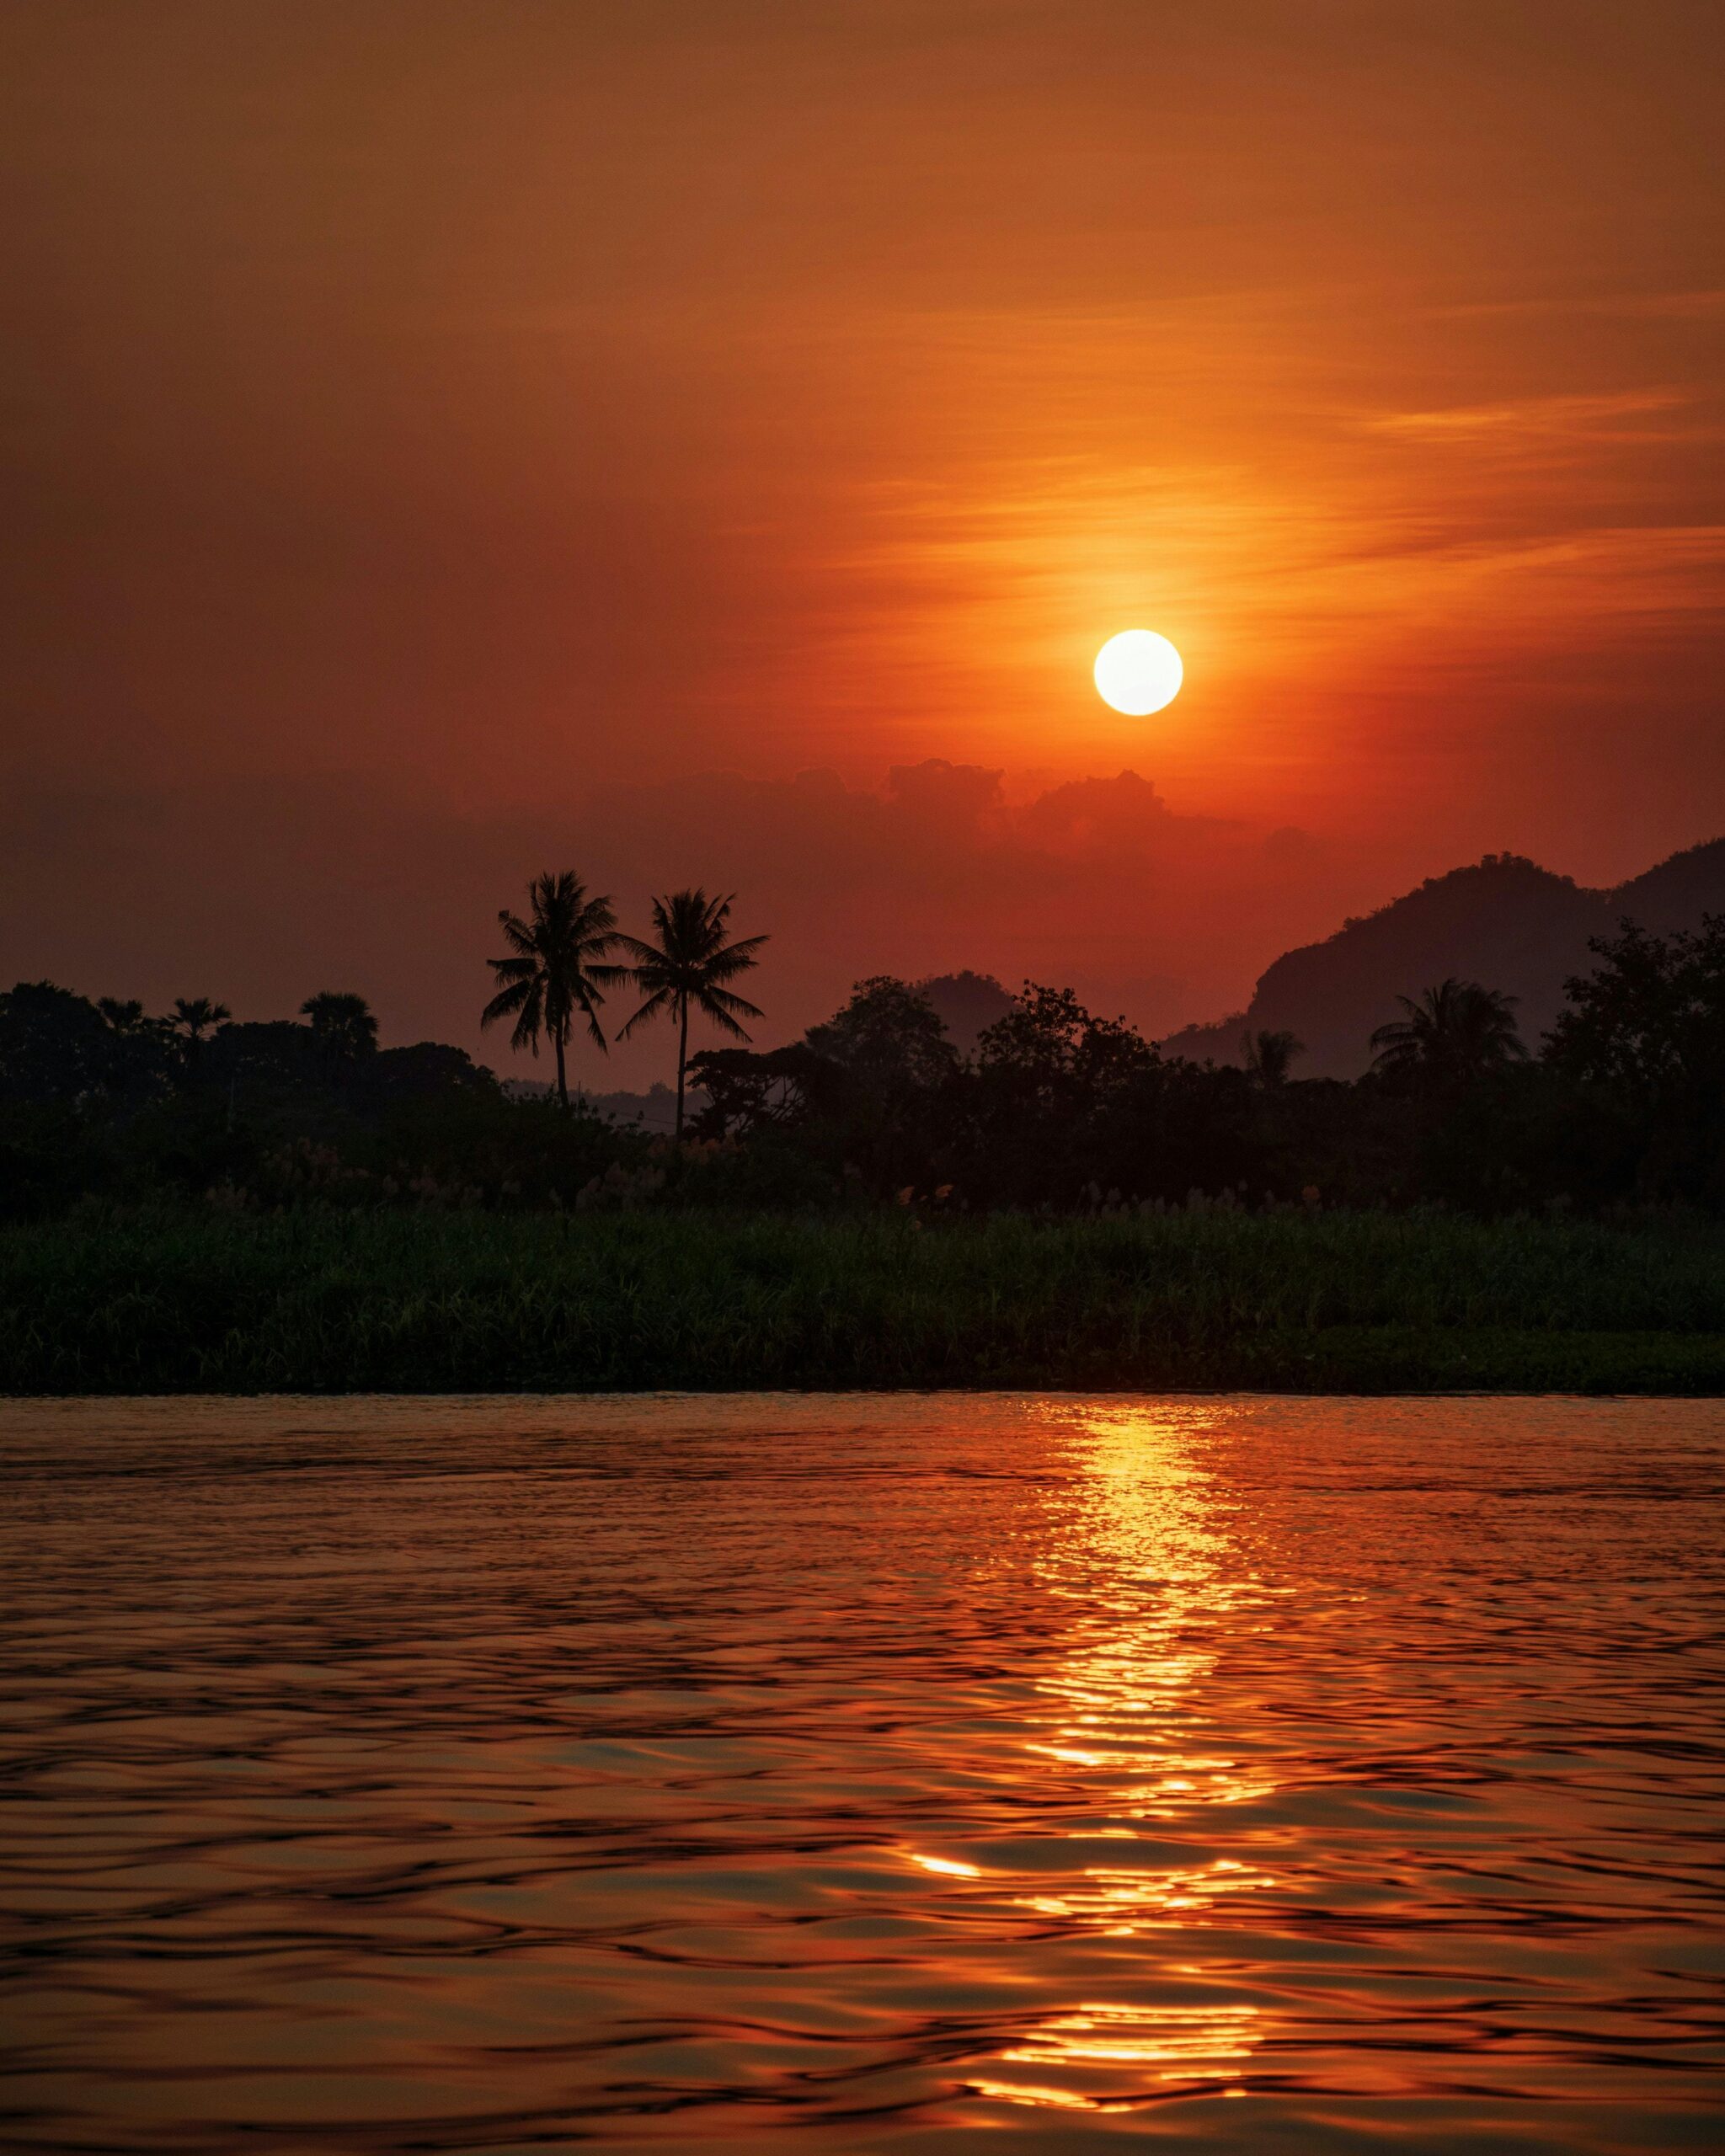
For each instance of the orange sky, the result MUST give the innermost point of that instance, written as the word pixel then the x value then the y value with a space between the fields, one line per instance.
pixel 477 416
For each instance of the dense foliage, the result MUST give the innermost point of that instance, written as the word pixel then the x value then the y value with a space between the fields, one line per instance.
pixel 1056 1109
pixel 174 1298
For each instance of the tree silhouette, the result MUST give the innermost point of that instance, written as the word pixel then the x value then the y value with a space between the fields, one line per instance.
pixel 194 1017
pixel 690 963
pixel 1452 1034
pixel 1646 1030
pixel 342 1025
pixel 54 1046
pixel 890 1046
pixel 556 969
pixel 889 1036
pixel 1269 1056
pixel 1049 1051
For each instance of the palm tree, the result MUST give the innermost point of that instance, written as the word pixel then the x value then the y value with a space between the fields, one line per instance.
pixel 690 963
pixel 192 1019
pixel 1269 1056
pixel 123 1017
pixel 342 1025
pixel 1456 1031
pixel 555 968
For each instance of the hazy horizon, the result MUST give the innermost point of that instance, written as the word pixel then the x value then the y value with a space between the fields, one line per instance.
pixel 943 868
pixel 445 443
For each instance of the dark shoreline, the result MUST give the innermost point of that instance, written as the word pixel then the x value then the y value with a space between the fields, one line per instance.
pixel 190 1300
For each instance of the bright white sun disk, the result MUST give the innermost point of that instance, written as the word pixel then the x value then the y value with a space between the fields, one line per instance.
pixel 1138 672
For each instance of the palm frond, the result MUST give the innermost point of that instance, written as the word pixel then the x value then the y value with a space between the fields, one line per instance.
pixel 735 958
pixel 587 1001
pixel 516 933
pixel 721 998
pixel 723 1020
pixel 506 1002
pixel 531 1023
pixel 650 1009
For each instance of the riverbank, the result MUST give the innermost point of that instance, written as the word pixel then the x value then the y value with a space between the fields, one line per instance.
pixel 190 1300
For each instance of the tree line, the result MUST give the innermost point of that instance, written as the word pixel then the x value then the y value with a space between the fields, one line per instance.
pixel 1623 1103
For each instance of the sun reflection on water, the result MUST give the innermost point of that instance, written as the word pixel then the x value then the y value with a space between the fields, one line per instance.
pixel 1169 2050
pixel 1182 2037
pixel 1124 1721
pixel 1103 1896
pixel 1126 1700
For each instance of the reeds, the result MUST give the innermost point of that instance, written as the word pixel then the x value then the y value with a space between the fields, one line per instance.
pixel 196 1299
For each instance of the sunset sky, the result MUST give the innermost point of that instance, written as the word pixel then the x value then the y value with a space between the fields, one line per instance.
pixel 443 441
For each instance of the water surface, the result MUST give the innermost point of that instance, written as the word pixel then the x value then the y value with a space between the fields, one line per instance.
pixel 507 1775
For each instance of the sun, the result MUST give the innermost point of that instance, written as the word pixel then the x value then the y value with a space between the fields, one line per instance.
pixel 1138 672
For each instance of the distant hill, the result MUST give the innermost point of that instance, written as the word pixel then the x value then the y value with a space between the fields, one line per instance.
pixel 1677 893
pixel 655 1110
pixel 1505 922
pixel 967 1004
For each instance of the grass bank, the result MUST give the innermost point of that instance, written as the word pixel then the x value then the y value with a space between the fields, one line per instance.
pixel 190 1300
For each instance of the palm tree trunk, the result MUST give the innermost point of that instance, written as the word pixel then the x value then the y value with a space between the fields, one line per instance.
pixel 682 1064
pixel 563 1087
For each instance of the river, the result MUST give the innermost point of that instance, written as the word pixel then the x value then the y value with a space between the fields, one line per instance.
pixel 507 1775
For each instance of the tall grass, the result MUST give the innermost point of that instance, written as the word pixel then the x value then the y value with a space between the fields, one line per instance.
pixel 194 1301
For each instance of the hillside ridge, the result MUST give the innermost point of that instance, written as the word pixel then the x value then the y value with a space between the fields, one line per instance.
pixel 1502 921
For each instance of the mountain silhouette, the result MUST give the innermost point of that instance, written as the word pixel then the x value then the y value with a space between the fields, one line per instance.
pixel 967 1004
pixel 1505 922
pixel 1677 893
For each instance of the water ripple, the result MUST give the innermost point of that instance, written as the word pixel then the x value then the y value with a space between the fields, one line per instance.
pixel 501 1776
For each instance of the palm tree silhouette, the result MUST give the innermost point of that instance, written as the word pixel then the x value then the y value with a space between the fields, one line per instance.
pixel 192 1019
pixel 126 1018
pixel 1456 1031
pixel 342 1025
pixel 690 963
pixel 555 970
pixel 1269 1056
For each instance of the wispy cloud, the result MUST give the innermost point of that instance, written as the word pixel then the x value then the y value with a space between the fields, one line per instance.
pixel 1589 419
pixel 1703 304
